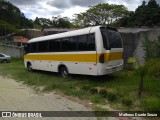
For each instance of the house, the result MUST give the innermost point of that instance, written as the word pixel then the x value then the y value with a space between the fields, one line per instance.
pixel 20 40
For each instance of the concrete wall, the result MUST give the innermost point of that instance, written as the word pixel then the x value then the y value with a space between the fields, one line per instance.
pixel 12 51
pixel 133 41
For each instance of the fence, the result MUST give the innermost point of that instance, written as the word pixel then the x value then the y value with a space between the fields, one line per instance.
pixel 12 50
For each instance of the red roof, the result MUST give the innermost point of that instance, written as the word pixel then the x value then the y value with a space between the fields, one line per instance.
pixel 20 39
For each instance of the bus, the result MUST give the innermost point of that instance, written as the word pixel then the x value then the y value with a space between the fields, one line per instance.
pixel 93 51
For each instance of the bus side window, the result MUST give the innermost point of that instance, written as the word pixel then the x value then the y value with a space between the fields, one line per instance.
pixel 82 43
pixel 73 44
pixel 65 45
pixel 43 46
pixel 34 47
pixel 91 42
pixel 54 45
pixel 57 45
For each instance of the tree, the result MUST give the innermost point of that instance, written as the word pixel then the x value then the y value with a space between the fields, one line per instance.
pixel 100 14
pixel 61 22
pixel 147 14
pixel 12 15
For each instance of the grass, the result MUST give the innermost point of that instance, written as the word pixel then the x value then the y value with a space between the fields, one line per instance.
pixel 118 88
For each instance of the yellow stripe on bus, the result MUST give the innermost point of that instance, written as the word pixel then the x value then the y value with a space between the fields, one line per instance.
pixel 74 57
pixel 113 56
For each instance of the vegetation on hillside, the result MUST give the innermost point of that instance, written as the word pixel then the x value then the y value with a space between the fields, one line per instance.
pixel 11 18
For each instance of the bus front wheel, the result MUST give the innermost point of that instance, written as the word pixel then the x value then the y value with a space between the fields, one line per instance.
pixel 64 72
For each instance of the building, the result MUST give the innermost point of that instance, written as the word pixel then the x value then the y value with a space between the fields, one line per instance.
pixel 20 40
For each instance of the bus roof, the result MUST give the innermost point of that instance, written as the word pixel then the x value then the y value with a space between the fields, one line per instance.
pixel 66 34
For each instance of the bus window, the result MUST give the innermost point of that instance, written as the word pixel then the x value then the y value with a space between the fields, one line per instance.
pixel 54 45
pixel 73 44
pixel 82 43
pixel 34 47
pixel 65 44
pixel 111 38
pixel 91 42
pixel 104 37
pixel 43 46
pixel 114 39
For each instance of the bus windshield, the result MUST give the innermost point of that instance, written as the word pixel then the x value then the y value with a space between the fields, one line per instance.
pixel 111 38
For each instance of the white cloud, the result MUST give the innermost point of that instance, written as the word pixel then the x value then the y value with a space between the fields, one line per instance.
pixel 74 10
pixel 49 8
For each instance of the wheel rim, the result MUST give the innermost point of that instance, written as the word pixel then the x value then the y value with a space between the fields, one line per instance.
pixel 29 67
pixel 64 72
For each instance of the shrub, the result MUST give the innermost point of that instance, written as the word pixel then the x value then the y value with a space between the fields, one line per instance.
pixel 131 64
pixel 93 90
pixel 85 88
pixel 153 66
pixel 103 93
pixel 97 99
pixel 150 104
pixel 111 96
pixel 127 101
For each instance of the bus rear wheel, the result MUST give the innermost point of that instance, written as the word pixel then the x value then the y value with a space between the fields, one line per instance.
pixel 64 72
pixel 29 67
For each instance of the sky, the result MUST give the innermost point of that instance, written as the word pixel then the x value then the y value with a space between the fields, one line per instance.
pixel 64 8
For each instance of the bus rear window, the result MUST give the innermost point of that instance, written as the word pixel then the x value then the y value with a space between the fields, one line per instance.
pixel 111 38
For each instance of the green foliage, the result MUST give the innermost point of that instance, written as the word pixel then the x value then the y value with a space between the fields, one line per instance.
pixel 12 15
pixel 100 14
pixel 147 14
pixel 85 88
pixel 97 99
pixel 151 48
pixel 7 28
pixel 103 93
pixel 93 90
pixel 132 64
pixel 153 67
pixel 111 96
pixel 57 22
pixel 127 101
pixel 150 104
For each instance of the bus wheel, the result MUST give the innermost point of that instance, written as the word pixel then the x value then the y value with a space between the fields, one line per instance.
pixel 29 67
pixel 64 72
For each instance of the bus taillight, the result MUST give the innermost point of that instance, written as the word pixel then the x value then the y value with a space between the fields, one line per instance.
pixel 101 58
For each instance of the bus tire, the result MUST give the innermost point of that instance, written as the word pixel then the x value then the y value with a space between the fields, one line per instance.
pixel 64 72
pixel 29 67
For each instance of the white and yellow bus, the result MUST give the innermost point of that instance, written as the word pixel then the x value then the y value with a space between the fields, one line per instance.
pixel 90 51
